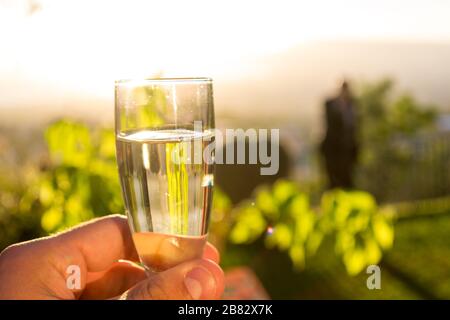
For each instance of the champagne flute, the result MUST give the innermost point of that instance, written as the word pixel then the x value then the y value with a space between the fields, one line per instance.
pixel 164 131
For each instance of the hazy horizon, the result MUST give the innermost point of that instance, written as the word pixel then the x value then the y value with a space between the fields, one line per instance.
pixel 294 81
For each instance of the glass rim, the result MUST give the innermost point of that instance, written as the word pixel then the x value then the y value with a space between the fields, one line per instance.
pixel 173 80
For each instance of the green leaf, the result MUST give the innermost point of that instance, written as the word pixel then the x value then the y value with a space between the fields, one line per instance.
pixel 362 200
pixel 383 231
pixel 345 242
pixel 297 255
pixel 107 148
pixel 51 219
pixel 240 234
pixel 46 193
pixel 69 143
pixel 304 225
pixel 250 225
pixel 358 221
pixel 266 203
pixel 373 252
pixel 280 238
pixel 313 242
pixel 299 205
pixel 283 190
pixel 328 202
pixel 354 261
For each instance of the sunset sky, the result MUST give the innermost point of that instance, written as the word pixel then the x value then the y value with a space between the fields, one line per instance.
pixel 81 46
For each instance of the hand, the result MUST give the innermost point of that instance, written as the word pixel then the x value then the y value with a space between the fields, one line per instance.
pixel 103 250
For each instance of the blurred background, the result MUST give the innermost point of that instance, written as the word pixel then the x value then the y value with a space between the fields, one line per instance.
pixel 275 64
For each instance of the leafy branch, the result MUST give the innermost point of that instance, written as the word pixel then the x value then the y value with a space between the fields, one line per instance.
pixel 284 219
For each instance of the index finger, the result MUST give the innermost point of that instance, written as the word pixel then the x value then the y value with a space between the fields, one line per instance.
pixel 101 242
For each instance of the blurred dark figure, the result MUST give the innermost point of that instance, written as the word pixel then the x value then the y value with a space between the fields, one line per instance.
pixel 340 147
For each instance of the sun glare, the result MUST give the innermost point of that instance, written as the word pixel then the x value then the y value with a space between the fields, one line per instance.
pixel 86 45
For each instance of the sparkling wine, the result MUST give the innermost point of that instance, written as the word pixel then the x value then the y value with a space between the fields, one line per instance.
pixel 167 188
pixel 160 251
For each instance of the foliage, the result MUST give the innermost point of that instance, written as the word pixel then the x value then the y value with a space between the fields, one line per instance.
pixel 18 218
pixel 283 217
pixel 417 266
pixel 387 116
pixel 221 220
pixel 148 105
pixel 80 180
pixel 389 132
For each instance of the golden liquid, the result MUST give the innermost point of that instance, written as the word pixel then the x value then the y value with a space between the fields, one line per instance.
pixel 167 199
pixel 159 252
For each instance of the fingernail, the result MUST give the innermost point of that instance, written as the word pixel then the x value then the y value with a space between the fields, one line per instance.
pixel 200 284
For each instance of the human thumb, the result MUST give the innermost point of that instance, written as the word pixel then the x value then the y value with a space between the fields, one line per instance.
pixel 192 280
